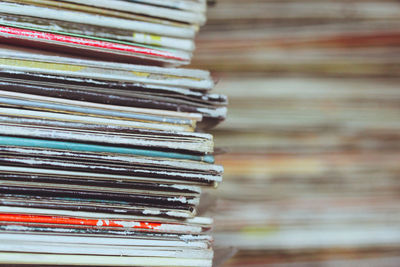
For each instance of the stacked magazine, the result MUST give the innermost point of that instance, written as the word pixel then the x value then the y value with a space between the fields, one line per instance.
pixel 100 160
pixel 151 31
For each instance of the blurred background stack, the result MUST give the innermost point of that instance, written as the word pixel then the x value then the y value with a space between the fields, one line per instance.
pixel 312 173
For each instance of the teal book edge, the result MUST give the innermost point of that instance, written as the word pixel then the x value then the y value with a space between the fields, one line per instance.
pixel 72 146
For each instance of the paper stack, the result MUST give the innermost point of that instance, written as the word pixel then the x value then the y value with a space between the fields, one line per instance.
pixel 147 31
pixel 100 161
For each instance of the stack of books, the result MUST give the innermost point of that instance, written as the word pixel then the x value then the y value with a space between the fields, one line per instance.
pixel 147 31
pixel 100 160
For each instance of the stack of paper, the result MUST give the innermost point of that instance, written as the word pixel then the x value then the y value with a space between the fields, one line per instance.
pixel 144 31
pixel 100 162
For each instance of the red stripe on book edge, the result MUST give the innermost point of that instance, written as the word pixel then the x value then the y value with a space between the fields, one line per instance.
pixel 77 221
pixel 86 42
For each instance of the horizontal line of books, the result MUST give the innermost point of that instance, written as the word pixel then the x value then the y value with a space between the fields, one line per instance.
pixel 104 152
pixel 150 31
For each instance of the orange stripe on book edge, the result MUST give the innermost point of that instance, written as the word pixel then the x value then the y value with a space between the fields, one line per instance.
pixel 77 221
pixel 86 42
